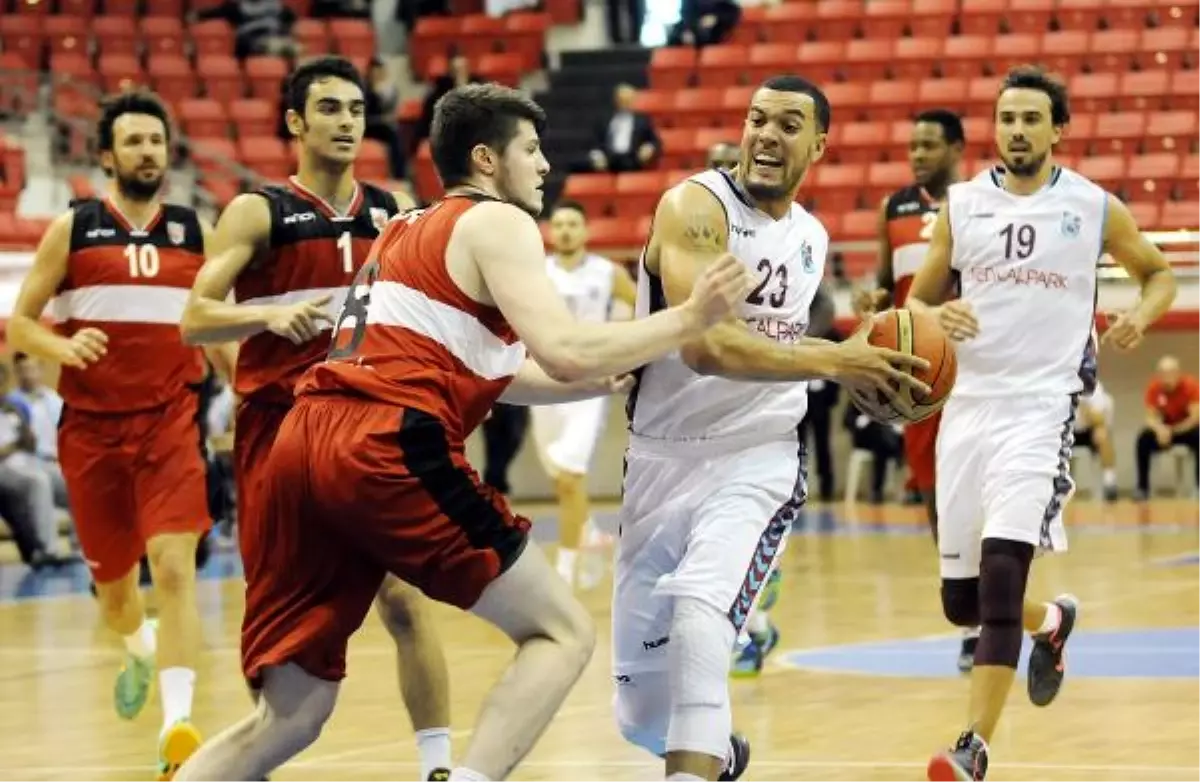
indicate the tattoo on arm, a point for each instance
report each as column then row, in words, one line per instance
column 701, row 235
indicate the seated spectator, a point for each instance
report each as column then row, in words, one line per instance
column 705, row 22
column 322, row 9
column 383, row 100
column 626, row 141
column 45, row 408
column 1093, row 430
column 259, row 26
column 724, row 155
column 458, row 74
column 1172, row 418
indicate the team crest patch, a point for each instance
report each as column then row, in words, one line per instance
column 176, row 232
column 379, row 217
column 806, row 258
column 1071, row 224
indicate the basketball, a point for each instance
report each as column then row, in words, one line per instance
column 916, row 334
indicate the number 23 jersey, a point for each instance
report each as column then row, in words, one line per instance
column 1028, row 269
column 786, row 258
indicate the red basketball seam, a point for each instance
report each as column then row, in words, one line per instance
column 941, row 364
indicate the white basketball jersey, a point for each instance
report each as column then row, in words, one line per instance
column 1028, row 269
column 587, row 289
column 787, row 258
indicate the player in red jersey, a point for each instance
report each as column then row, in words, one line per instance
column 288, row 254
column 906, row 220
column 119, row 269
column 369, row 475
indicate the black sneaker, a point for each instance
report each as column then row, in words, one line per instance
column 966, row 655
column 439, row 775
column 967, row 761
column 739, row 758
column 1047, row 660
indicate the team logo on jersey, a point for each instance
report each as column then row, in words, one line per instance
column 1071, row 223
column 806, row 258
column 176, row 233
column 379, row 217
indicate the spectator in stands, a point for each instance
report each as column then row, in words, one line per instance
column 45, row 407
column 1093, row 431
column 322, row 9
column 626, row 141
column 724, row 154
column 409, row 11
column 625, row 19
column 1172, row 418
column 457, row 74
column 383, row 100
column 259, row 26
column 28, row 495
column 705, row 22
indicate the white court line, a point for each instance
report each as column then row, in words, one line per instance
column 781, row 763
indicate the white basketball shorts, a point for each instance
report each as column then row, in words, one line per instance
column 566, row 433
column 708, row 525
column 1003, row 471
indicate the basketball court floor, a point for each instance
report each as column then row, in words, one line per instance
column 862, row 686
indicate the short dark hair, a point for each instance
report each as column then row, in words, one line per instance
column 789, row 82
column 476, row 114
column 138, row 101
column 1033, row 77
column 952, row 127
column 571, row 204
column 317, row 69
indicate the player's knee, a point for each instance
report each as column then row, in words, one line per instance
column 398, row 607
column 1100, row 436
column 578, row 634
column 568, row 484
column 642, row 708
column 701, row 637
column 960, row 601
column 1003, row 572
column 173, row 565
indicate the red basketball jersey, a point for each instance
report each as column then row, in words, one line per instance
column 911, row 213
column 313, row 251
column 131, row 284
column 410, row 337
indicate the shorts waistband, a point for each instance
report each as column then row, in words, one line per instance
column 706, row 446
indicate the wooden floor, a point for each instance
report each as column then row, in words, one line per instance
column 862, row 686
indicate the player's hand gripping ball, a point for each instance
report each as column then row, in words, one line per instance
column 915, row 334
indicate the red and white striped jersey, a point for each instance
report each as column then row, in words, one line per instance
column 313, row 251
column 131, row 284
column 911, row 213
column 409, row 336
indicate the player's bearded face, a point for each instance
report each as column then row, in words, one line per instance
column 139, row 156
column 567, row 232
column 522, row 170
column 781, row 139
column 1025, row 132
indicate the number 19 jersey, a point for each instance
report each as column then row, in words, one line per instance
column 1028, row 270
column 313, row 251
column 787, row 259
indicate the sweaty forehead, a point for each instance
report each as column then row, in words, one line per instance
column 140, row 124
column 778, row 102
column 1022, row 100
column 332, row 88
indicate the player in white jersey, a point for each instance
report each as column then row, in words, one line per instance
column 714, row 470
column 1024, row 241
column 566, row 433
column 1093, row 430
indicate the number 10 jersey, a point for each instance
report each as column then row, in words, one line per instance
column 1028, row 269
column 787, row 260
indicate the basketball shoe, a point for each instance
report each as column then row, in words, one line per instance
column 1047, row 659
column 134, row 683
column 966, row 653
column 968, row 760
column 177, row 743
column 738, row 758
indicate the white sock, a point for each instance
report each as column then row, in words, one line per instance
column 679, row 775
column 758, row 625
column 142, row 642
column 971, row 632
column 177, row 686
column 1110, row 477
column 566, row 563
column 433, row 748
column 1053, row 617
column 467, row 774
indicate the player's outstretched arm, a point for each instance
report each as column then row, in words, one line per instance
column 242, row 232
column 934, row 283
column 25, row 332
column 1123, row 240
column 505, row 246
column 532, row 386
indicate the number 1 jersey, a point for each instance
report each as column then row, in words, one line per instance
column 787, row 260
column 132, row 284
column 1028, row 269
column 313, row 251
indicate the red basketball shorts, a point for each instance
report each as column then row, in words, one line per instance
column 920, row 443
column 130, row 477
column 355, row 489
column 255, row 430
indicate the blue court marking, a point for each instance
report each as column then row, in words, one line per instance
column 1179, row 560
column 1154, row 653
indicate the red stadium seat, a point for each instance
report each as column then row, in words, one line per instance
column 352, row 36
column 171, row 76
column 859, row 224
column 867, row 59
column 965, row 55
column 119, row 72
column 672, row 67
column 212, row 37
column 116, row 35
column 887, row 19
column 836, row 187
column 637, row 193
column 821, row 59
column 1083, row 15
column 1170, row 130
column 1029, row 16
column 595, row 191
column 255, row 116
column 372, row 163
column 1180, row 215
column 723, row 66
column 313, row 36
column 162, row 35
column 204, row 118
column 933, row 17
column 266, row 156
column 265, row 76
column 65, row 34
column 914, row 58
column 768, row 59
column 504, row 68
